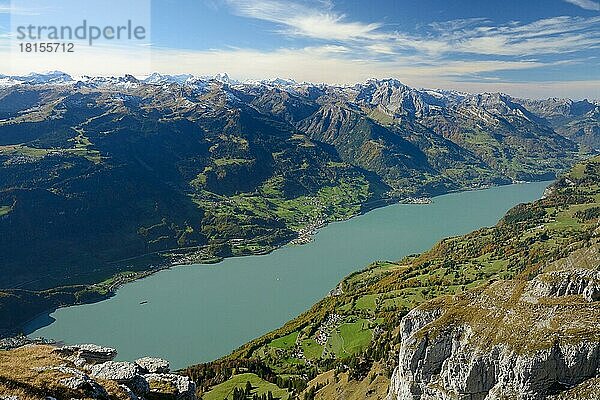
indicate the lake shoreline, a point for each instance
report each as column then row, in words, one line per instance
column 250, row 268
column 27, row 329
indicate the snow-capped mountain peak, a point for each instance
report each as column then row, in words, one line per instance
column 34, row 78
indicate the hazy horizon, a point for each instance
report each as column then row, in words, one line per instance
column 521, row 48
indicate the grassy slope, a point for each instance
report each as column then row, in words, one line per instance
column 527, row 238
column 260, row 387
column 339, row 385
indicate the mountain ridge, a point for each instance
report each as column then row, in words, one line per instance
column 120, row 169
column 60, row 77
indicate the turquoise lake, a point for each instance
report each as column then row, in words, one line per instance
column 198, row 313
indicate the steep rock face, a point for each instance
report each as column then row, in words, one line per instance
column 512, row 339
column 577, row 120
column 449, row 368
column 394, row 98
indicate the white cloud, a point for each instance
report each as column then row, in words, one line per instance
column 459, row 54
column 558, row 35
column 99, row 59
column 318, row 22
column 12, row 10
column 445, row 40
column 322, row 64
column 330, row 64
column 381, row 48
column 315, row 64
column 327, row 64
column 586, row 4
column 582, row 89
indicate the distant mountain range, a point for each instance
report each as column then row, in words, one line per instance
column 105, row 174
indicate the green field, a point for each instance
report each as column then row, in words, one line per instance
column 350, row 339
column 330, row 203
column 311, row 349
column 285, row 342
column 224, row 391
column 366, row 302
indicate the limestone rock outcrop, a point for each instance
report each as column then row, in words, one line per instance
column 180, row 387
column 519, row 339
column 153, row 365
column 89, row 372
column 119, row 371
column 91, row 353
column 78, row 380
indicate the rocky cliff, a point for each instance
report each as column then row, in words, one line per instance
column 87, row 372
column 518, row 339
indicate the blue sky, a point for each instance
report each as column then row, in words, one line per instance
column 536, row 47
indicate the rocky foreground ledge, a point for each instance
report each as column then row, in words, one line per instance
column 87, row 371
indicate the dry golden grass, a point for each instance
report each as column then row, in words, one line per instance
column 584, row 391
column 113, row 389
column 18, row 372
column 20, row 377
column 373, row 387
column 20, row 393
